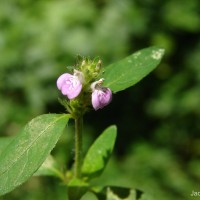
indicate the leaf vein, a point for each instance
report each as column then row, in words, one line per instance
column 29, row 146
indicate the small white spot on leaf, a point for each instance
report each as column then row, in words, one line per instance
column 137, row 54
column 157, row 54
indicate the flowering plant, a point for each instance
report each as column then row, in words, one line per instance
column 87, row 87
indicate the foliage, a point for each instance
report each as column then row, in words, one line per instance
column 99, row 153
column 38, row 38
column 29, row 149
column 26, row 152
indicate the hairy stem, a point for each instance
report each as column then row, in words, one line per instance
column 78, row 147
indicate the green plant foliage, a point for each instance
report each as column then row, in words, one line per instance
column 76, row 189
column 4, row 141
column 117, row 193
column 99, row 153
column 38, row 39
column 189, row 19
column 127, row 72
column 90, row 196
column 50, row 168
column 28, row 150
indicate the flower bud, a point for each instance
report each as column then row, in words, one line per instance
column 101, row 96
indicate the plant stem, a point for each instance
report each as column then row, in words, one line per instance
column 78, row 147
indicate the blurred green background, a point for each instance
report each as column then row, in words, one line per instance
column 158, row 144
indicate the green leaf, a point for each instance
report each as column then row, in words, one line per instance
column 76, row 189
column 99, row 153
column 127, row 72
column 89, row 196
column 119, row 193
column 50, row 168
column 29, row 149
column 4, row 141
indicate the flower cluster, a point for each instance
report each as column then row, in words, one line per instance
column 83, row 85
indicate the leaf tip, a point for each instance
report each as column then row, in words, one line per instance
column 158, row 54
column 113, row 128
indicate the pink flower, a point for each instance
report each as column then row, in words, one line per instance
column 101, row 96
column 70, row 85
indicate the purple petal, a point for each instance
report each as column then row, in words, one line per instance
column 65, row 89
column 71, row 87
column 101, row 98
column 74, row 93
column 95, row 100
column 61, row 80
column 105, row 97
